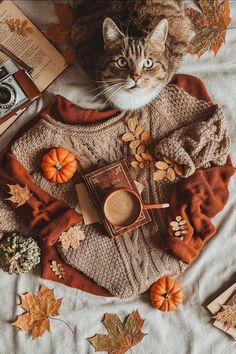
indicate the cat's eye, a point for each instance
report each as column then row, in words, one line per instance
column 122, row 63
column 148, row 64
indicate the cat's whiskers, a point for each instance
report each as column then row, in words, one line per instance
column 107, row 89
column 101, row 93
column 113, row 95
column 102, row 86
column 97, row 88
column 106, row 81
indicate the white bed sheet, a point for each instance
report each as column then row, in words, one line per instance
column 187, row 331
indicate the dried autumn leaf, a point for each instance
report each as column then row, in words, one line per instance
column 167, row 160
column 121, row 336
column 161, row 165
column 145, row 156
column 138, row 158
column 18, row 26
column 227, row 316
column 127, row 137
column 61, row 33
column 58, row 33
column 150, row 157
column 142, row 165
column 140, row 149
column 139, row 130
column 170, row 174
column 58, row 269
column 159, row 175
column 19, row 195
column 39, row 308
column 145, row 136
column 70, row 55
column 178, row 170
column 135, row 164
column 132, row 124
column 134, row 144
column 209, row 25
column 71, row 238
column 65, row 13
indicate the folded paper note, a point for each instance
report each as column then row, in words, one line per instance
column 86, row 205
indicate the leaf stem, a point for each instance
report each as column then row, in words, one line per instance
column 59, row 319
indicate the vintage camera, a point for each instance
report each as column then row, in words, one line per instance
column 17, row 90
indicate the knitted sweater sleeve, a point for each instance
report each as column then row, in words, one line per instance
column 200, row 144
column 194, row 202
column 43, row 214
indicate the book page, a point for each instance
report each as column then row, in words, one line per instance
column 34, row 49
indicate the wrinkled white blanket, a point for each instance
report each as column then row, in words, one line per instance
column 187, row 331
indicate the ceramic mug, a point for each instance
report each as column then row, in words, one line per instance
column 122, row 207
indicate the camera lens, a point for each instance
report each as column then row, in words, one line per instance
column 5, row 95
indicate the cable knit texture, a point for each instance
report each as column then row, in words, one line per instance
column 8, row 221
column 190, row 131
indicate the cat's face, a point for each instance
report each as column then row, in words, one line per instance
column 134, row 70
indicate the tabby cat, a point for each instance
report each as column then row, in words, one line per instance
column 130, row 49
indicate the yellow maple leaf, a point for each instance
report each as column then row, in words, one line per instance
column 39, row 307
column 19, row 195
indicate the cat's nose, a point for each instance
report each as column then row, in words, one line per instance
column 135, row 78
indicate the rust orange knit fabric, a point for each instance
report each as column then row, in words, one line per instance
column 197, row 200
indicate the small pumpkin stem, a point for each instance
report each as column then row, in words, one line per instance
column 166, row 295
column 58, row 166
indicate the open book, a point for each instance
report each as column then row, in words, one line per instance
column 34, row 49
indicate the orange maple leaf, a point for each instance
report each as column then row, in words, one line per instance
column 60, row 33
column 210, row 26
column 121, row 335
column 39, row 307
column 65, row 13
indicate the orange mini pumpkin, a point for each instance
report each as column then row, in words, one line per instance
column 59, row 165
column 166, row 294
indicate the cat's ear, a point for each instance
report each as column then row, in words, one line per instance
column 159, row 35
column 112, row 36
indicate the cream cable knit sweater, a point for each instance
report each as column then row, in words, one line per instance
column 187, row 130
